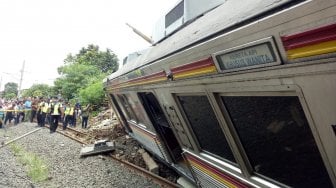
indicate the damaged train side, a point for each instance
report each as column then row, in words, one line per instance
column 240, row 96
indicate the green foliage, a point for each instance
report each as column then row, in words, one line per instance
column 92, row 94
column 75, row 77
column 10, row 95
column 38, row 93
column 94, row 113
column 11, row 90
column 105, row 61
column 82, row 74
column 37, row 168
column 38, row 90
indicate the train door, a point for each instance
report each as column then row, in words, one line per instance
column 160, row 124
column 121, row 115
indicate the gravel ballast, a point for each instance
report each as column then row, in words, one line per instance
column 66, row 168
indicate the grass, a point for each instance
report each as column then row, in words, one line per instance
column 37, row 169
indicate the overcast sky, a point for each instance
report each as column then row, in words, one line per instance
column 42, row 32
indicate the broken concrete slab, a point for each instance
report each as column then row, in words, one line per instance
column 99, row 147
column 150, row 163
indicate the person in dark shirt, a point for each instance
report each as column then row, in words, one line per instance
column 9, row 113
column 34, row 107
column 85, row 116
column 2, row 115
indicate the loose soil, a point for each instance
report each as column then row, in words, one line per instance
column 127, row 149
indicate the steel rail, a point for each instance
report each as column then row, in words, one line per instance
column 31, row 132
column 143, row 172
column 162, row 181
column 69, row 136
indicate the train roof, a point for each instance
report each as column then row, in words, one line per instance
column 224, row 18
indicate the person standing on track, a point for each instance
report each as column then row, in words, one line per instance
column 56, row 111
column 68, row 115
column 2, row 115
column 27, row 107
column 45, row 110
column 77, row 113
column 34, row 107
column 21, row 113
column 39, row 111
column 9, row 113
column 85, row 116
column 16, row 114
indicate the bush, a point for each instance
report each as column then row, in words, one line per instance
column 93, row 94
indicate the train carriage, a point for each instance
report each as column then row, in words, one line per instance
column 239, row 94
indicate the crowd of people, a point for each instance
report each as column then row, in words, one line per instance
column 43, row 110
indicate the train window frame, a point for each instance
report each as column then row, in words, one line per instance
column 268, row 91
column 141, row 116
column 271, row 47
column 116, row 104
column 124, row 111
column 130, row 115
column 149, row 125
column 199, row 149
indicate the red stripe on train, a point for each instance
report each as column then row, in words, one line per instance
column 193, row 66
column 314, row 36
column 216, row 171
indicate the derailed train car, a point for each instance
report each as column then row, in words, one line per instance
column 241, row 95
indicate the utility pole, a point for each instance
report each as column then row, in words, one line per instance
column 21, row 78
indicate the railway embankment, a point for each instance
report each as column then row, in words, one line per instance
column 60, row 156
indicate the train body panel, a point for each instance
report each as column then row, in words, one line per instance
column 242, row 103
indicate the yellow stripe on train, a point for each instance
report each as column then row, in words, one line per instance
column 316, row 49
column 200, row 71
column 215, row 176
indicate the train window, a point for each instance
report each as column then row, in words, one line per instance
column 121, row 111
column 174, row 14
column 126, row 106
column 205, row 126
column 277, row 139
column 137, row 109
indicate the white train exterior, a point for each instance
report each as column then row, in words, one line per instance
column 243, row 95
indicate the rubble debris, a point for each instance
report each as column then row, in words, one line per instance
column 106, row 126
column 100, row 146
column 185, row 183
column 150, row 163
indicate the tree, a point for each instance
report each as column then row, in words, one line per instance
column 106, row 61
column 82, row 74
column 93, row 94
column 38, row 90
column 75, row 77
column 81, row 77
column 11, row 90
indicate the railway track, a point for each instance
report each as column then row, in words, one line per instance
column 85, row 138
column 79, row 136
column 74, row 134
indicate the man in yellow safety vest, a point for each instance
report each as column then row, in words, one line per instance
column 45, row 110
column 56, row 112
column 68, row 115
